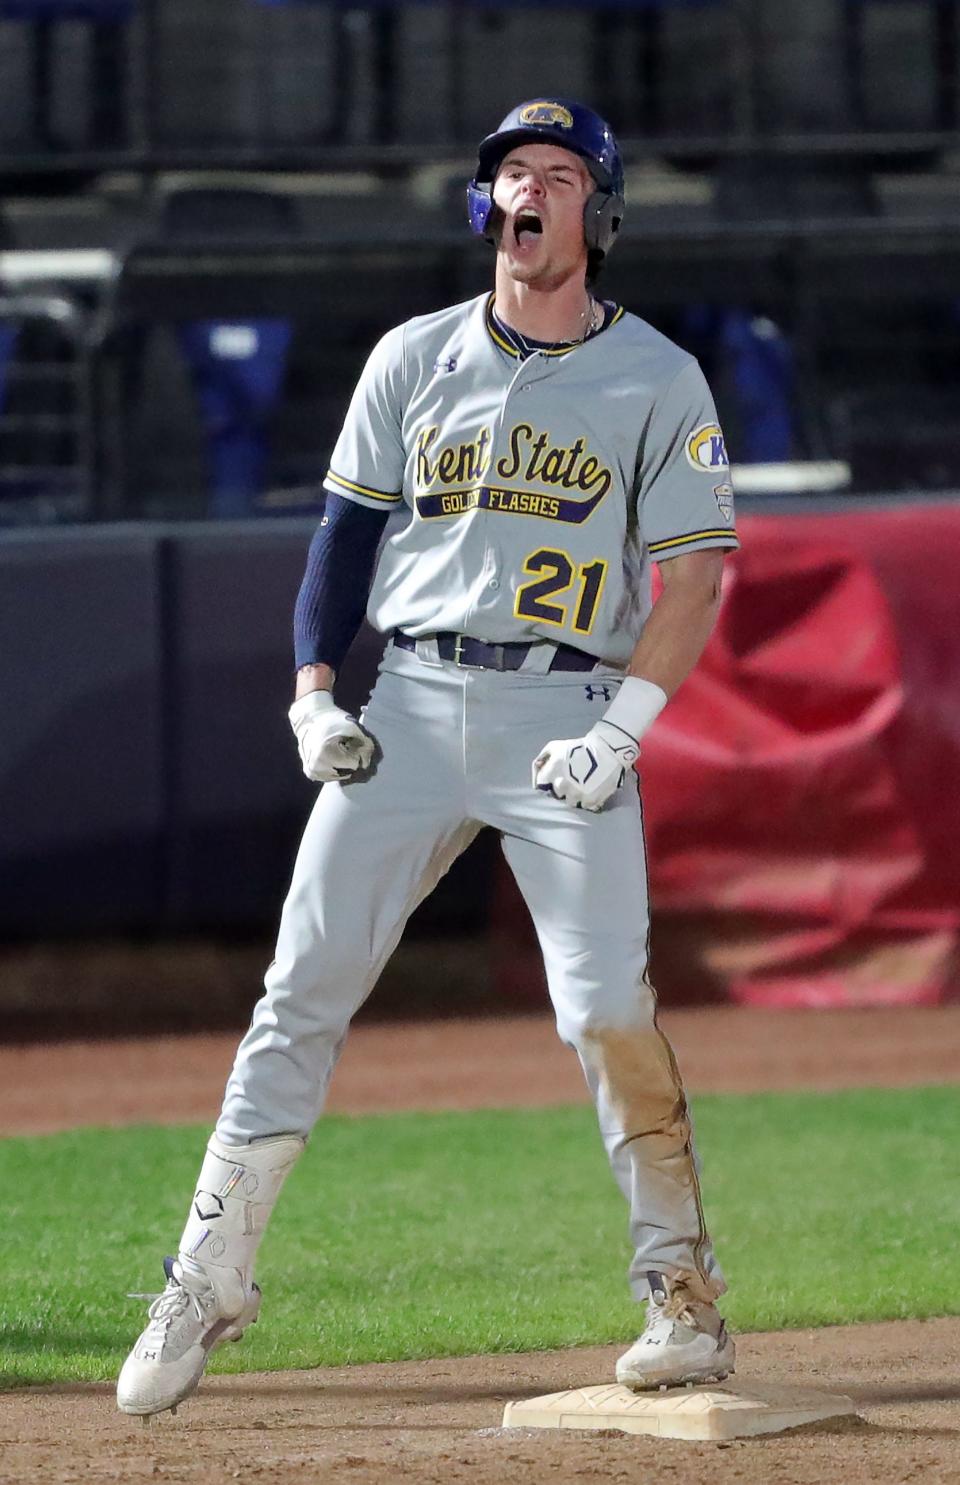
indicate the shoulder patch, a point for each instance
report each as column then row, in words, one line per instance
column 724, row 498
column 706, row 450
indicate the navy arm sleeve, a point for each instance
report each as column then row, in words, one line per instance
column 333, row 595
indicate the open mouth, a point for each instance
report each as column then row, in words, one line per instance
column 527, row 226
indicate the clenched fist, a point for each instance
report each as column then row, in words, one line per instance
column 585, row 771
column 332, row 744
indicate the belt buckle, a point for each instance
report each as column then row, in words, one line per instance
column 458, row 655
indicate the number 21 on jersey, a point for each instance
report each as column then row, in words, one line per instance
column 553, row 574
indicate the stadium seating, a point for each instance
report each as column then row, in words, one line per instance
column 46, row 430
column 238, row 365
column 67, row 64
column 884, row 94
column 8, row 345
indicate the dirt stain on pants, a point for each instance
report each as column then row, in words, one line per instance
column 647, row 1131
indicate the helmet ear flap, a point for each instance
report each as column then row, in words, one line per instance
column 602, row 216
column 484, row 214
column 479, row 207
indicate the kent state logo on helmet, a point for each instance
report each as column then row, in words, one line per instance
column 573, row 127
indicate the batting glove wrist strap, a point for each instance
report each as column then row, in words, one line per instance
column 637, row 704
column 314, row 704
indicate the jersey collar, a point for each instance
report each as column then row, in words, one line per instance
column 500, row 340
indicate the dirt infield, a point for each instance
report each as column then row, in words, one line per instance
column 476, row 1063
column 439, row 1421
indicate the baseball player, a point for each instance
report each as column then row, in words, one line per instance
column 542, row 448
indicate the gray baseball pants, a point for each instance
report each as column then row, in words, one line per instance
column 455, row 753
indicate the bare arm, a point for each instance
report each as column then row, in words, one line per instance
column 314, row 678
column 676, row 633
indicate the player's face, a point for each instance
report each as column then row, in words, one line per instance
column 541, row 191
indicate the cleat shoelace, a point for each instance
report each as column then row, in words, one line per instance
column 678, row 1307
column 172, row 1305
column 661, row 1319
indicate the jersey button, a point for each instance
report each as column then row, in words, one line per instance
column 494, row 583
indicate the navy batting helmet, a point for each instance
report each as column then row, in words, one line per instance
column 573, row 127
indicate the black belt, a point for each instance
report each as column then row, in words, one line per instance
column 481, row 655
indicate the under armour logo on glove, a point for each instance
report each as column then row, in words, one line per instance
column 586, row 771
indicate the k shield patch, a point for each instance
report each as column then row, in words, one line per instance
column 706, row 450
column 724, row 497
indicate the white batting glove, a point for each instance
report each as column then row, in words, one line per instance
column 586, row 771
column 332, row 744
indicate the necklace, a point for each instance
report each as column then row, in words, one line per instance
column 589, row 317
column 592, row 317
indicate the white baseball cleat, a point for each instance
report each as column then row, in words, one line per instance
column 186, row 1323
column 684, row 1340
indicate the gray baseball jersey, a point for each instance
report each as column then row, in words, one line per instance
column 538, row 490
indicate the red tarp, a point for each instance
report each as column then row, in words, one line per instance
column 802, row 790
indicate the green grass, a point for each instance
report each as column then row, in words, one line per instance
column 445, row 1234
